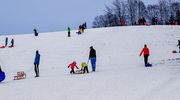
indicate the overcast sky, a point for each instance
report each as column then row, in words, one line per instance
column 22, row 16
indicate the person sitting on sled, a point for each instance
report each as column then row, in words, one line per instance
column 72, row 66
column 84, row 67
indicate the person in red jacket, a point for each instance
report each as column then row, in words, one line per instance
column 145, row 51
column 72, row 66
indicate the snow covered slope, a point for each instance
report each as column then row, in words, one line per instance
column 120, row 74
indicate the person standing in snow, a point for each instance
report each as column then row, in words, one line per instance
column 72, row 66
column 36, row 63
column 178, row 45
column 92, row 57
column 146, row 53
column 69, row 31
column 6, row 41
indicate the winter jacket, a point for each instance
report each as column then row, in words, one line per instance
column 37, row 58
column 84, row 65
column 2, row 76
column 73, row 65
column 69, row 30
column 145, row 51
column 92, row 53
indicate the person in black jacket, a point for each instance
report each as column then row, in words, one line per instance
column 92, row 57
column 35, row 32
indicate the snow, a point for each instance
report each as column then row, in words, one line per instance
column 120, row 74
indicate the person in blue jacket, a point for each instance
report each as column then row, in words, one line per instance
column 36, row 63
column 2, row 75
column 92, row 57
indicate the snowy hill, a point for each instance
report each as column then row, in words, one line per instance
column 120, row 75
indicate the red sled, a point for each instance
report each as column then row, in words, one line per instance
column 174, row 51
column 2, row 46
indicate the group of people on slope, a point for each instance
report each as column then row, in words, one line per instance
column 6, row 43
column 80, row 30
column 84, row 66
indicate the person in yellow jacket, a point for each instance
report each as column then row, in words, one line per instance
column 84, row 67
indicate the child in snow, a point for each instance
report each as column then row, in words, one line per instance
column 72, row 66
column 84, row 67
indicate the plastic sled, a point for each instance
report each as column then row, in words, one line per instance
column 148, row 65
column 2, row 76
column 174, row 51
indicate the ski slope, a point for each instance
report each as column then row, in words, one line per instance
column 120, row 74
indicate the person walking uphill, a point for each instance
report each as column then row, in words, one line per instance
column 92, row 57
column 36, row 63
column 145, row 51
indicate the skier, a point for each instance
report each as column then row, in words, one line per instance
column 92, row 57
column 2, row 75
column 6, row 41
column 178, row 45
column 36, row 63
column 84, row 67
column 73, row 65
column 69, row 32
column 35, row 32
column 145, row 51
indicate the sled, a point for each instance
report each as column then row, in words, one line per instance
column 2, row 46
column 79, row 72
column 148, row 65
column 20, row 75
column 174, row 51
column 10, row 46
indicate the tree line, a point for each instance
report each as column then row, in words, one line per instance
column 135, row 12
